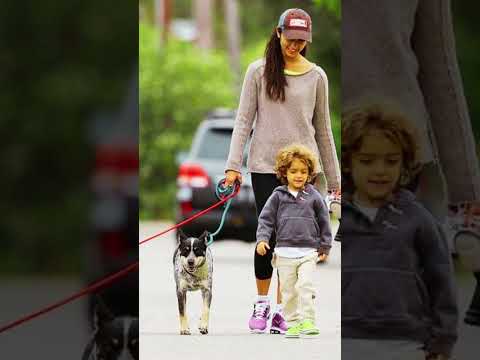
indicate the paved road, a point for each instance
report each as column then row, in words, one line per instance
column 61, row 334
column 233, row 294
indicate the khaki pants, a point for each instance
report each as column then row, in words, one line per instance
column 296, row 286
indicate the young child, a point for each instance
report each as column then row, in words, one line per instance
column 299, row 216
column 398, row 299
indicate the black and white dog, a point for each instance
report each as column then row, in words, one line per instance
column 114, row 338
column 193, row 269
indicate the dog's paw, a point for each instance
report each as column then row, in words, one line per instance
column 203, row 330
column 185, row 332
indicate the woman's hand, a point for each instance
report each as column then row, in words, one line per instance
column 262, row 247
column 231, row 176
column 334, row 203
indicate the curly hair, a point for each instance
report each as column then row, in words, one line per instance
column 286, row 156
column 361, row 120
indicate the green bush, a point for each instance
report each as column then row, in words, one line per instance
column 179, row 84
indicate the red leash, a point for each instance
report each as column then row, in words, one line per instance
column 224, row 200
column 95, row 286
column 110, row 278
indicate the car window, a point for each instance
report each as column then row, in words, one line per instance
column 215, row 144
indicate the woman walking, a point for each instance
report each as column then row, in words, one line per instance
column 287, row 97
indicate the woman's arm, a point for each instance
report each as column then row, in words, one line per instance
column 244, row 120
column 324, row 136
column 439, row 77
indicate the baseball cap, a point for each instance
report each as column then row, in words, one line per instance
column 296, row 24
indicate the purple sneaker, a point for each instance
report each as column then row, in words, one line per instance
column 258, row 321
column 279, row 326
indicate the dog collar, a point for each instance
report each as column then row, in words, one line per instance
column 199, row 266
column 191, row 273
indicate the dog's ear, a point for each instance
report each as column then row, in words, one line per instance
column 181, row 235
column 205, row 237
column 102, row 314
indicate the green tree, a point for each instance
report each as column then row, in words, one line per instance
column 178, row 85
column 332, row 5
column 61, row 63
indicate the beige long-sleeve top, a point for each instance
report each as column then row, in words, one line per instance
column 405, row 51
column 304, row 118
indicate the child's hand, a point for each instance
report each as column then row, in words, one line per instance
column 323, row 251
column 322, row 254
column 322, row 257
column 262, row 247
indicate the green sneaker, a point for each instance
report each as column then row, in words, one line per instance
column 294, row 331
column 308, row 329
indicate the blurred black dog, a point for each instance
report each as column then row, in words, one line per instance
column 114, row 338
column 193, row 269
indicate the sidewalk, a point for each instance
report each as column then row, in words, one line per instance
column 232, row 304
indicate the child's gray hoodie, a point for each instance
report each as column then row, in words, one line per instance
column 397, row 279
column 302, row 222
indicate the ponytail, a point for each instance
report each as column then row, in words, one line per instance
column 274, row 68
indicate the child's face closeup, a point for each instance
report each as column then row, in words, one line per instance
column 297, row 175
column 376, row 168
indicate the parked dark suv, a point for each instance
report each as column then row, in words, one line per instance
column 198, row 174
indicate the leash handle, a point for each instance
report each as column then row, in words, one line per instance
column 222, row 192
